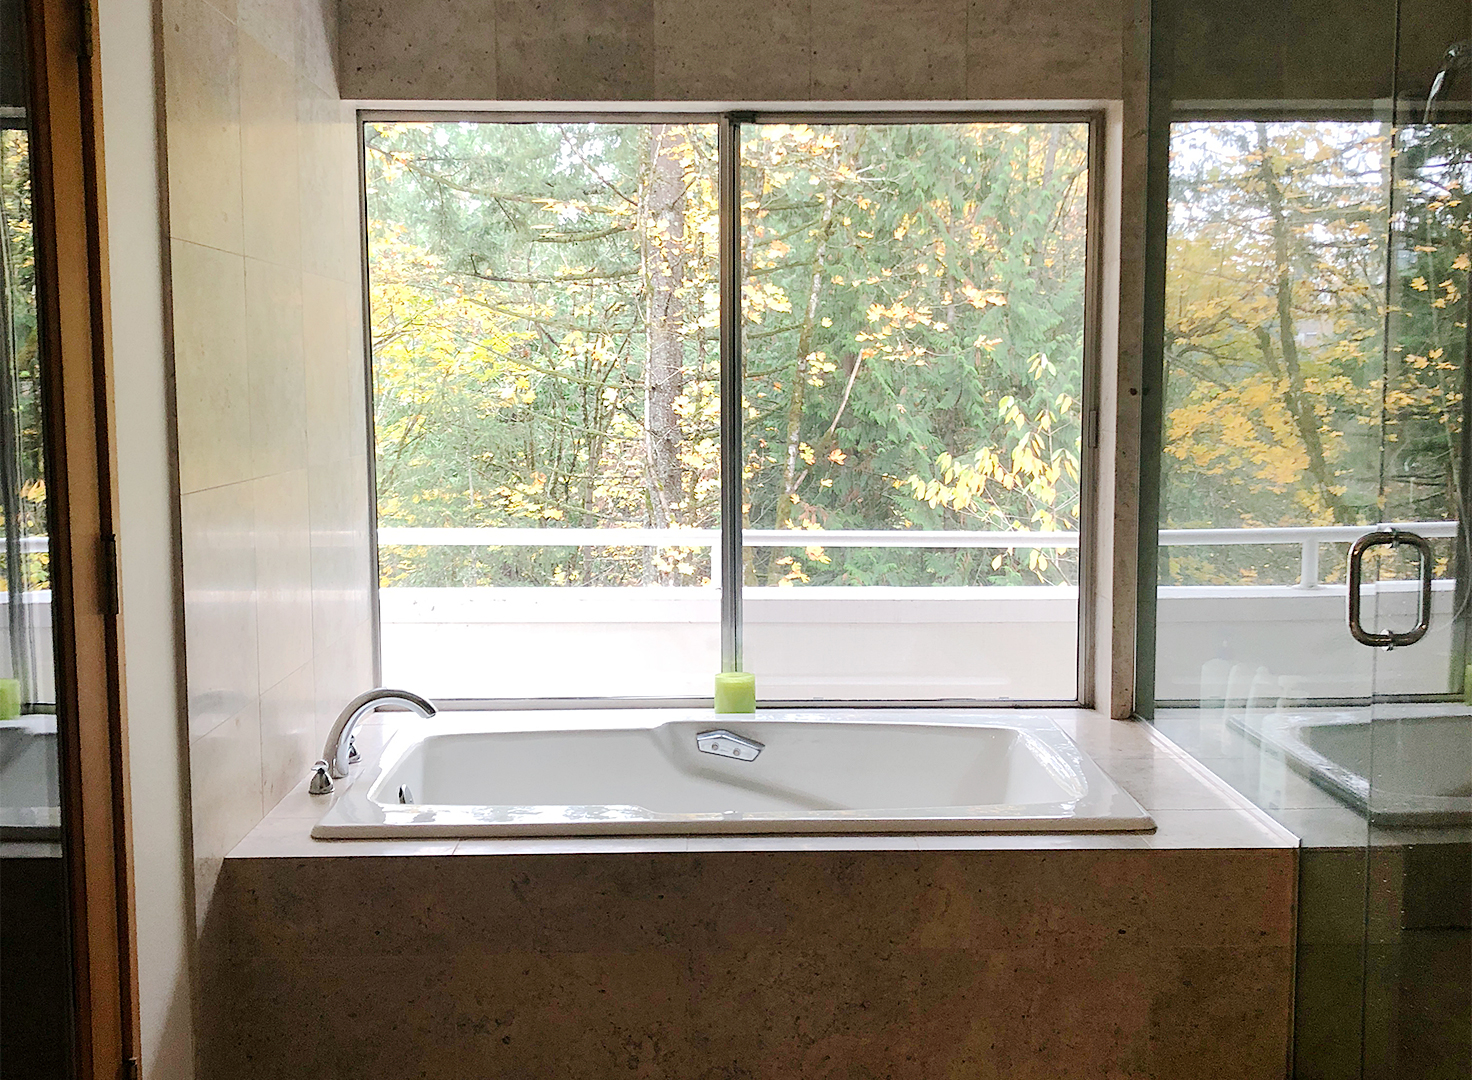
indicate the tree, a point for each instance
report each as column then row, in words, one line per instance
column 545, row 310
column 1281, row 387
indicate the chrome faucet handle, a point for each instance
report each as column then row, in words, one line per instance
column 353, row 756
column 321, row 782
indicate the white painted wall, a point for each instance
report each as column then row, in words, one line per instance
column 148, row 549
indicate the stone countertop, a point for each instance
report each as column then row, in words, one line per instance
column 1191, row 806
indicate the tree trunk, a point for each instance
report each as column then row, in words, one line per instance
column 1296, row 398
column 664, row 259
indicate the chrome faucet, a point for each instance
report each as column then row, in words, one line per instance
column 338, row 752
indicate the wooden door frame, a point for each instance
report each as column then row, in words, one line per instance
column 71, row 285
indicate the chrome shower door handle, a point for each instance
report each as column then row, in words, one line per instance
column 1390, row 538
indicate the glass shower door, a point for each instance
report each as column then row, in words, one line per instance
column 1314, row 391
column 1414, row 760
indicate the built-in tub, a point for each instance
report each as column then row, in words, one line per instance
column 1411, row 766
column 467, row 774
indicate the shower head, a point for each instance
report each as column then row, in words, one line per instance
column 1458, row 58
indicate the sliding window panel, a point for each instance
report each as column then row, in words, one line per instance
column 37, row 967
column 544, row 320
column 914, row 341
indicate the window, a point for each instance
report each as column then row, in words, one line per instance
column 548, row 308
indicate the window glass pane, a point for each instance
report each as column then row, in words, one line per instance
column 544, row 325
column 1275, row 364
column 913, row 333
column 26, row 555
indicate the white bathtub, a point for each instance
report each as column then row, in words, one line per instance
column 1411, row 766
column 466, row 774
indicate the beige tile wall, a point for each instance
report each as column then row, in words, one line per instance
column 269, row 381
column 737, row 50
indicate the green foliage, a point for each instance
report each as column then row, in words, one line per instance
column 1281, row 391
column 914, row 300
column 21, row 350
column 545, row 324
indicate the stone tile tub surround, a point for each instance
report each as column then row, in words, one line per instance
column 898, row 963
column 1166, row 955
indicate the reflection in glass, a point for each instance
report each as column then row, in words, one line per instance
column 35, row 965
column 1316, row 363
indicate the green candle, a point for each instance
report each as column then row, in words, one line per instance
column 9, row 699
column 735, row 692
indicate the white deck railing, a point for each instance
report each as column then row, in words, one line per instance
column 1308, row 538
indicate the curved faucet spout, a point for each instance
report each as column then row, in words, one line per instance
column 335, row 752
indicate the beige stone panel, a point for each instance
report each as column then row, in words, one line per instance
column 575, row 52
column 211, row 379
column 271, row 24
column 583, row 965
column 226, row 8
column 202, row 108
column 219, row 604
column 326, row 166
column 283, row 575
column 274, row 350
column 1043, row 49
column 272, row 209
column 342, row 569
column 706, row 50
column 425, row 49
column 981, row 900
column 571, row 1019
column 225, row 783
column 336, row 416
column 1164, row 783
column 342, row 671
column 317, row 41
column 889, row 50
column 289, row 740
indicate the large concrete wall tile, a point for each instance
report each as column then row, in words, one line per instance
column 1040, row 49
column 289, row 739
column 423, row 49
column 219, row 604
column 226, row 797
column 272, row 205
column 283, row 575
column 272, row 25
column 202, row 107
column 889, row 50
column 212, row 381
column 278, row 407
column 707, row 50
column 584, row 52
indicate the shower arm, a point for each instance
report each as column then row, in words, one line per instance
column 1458, row 58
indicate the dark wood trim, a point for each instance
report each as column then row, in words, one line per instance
column 72, row 297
